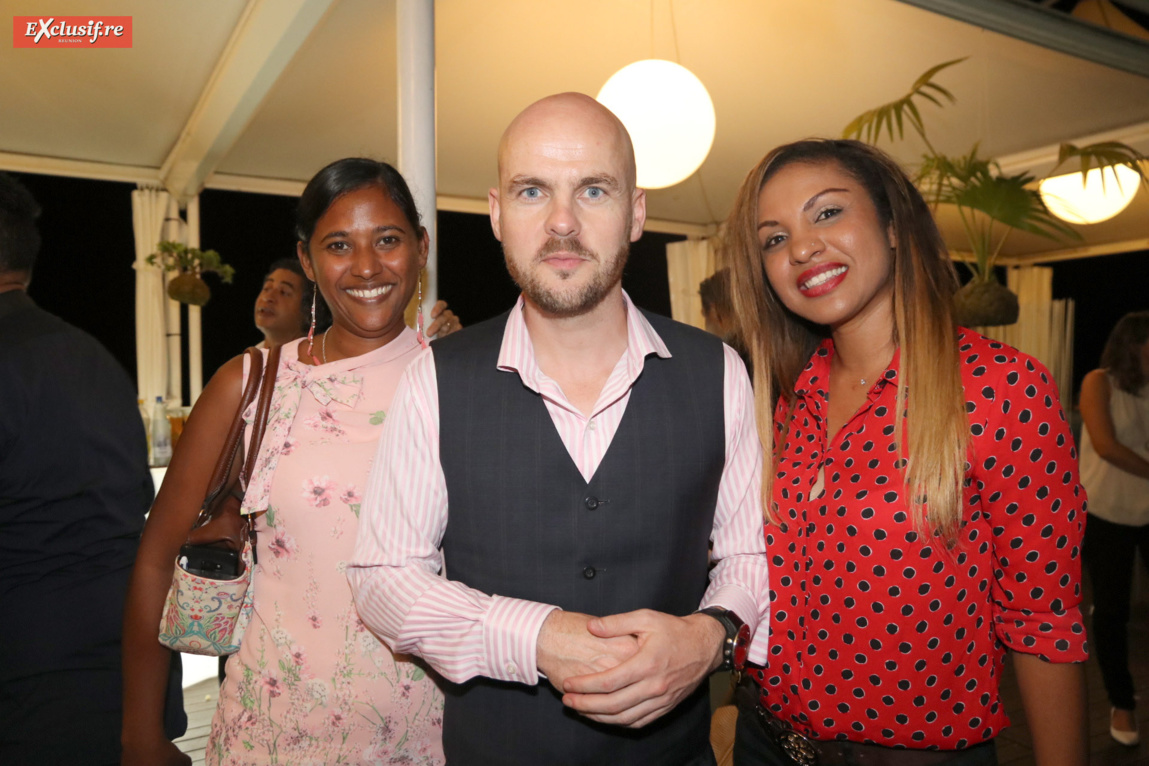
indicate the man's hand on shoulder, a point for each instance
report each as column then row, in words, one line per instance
column 566, row 648
column 675, row 654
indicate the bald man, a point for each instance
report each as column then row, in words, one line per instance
column 571, row 460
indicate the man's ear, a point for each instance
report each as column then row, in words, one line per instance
column 493, row 202
column 638, row 214
column 304, row 260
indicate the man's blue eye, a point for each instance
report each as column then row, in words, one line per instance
column 594, row 192
column 531, row 193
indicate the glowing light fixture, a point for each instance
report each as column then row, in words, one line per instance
column 1069, row 200
column 669, row 115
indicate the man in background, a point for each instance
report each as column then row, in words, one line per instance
column 74, row 489
column 283, row 308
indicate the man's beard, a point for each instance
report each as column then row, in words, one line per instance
column 573, row 302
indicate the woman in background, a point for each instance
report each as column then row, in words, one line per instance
column 309, row 684
column 924, row 512
column 1115, row 471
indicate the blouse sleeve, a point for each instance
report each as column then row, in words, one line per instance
column 1024, row 469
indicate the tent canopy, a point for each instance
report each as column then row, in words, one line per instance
column 258, row 95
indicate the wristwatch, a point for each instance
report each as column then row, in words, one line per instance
column 737, row 643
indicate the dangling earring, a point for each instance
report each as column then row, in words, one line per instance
column 419, row 313
column 311, row 330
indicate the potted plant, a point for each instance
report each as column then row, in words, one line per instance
column 989, row 203
column 191, row 263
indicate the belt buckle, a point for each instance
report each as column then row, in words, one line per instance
column 798, row 748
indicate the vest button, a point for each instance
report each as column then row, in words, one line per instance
column 589, row 573
column 591, row 502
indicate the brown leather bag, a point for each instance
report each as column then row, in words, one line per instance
column 220, row 524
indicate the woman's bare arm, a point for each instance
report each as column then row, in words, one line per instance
column 1095, row 393
column 1053, row 695
column 172, row 515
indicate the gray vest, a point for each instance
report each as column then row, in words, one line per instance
column 525, row 524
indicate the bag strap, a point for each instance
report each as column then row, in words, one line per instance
column 259, row 423
column 232, row 445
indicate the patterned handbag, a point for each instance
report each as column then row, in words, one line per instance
column 210, row 600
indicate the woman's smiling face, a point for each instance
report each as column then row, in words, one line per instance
column 365, row 257
column 826, row 253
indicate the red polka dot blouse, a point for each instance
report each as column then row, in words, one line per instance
column 879, row 635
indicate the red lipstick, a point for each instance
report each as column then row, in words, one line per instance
column 821, row 279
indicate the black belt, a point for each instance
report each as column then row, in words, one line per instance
column 804, row 751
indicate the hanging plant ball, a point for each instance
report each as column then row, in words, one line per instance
column 190, row 289
column 985, row 303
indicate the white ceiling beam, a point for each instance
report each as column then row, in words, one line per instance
column 58, row 166
column 268, row 35
column 1073, row 253
column 1048, row 28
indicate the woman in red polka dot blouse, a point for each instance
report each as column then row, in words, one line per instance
column 909, row 553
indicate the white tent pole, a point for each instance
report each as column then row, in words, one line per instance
column 149, row 208
column 415, row 30
column 172, row 308
column 195, row 329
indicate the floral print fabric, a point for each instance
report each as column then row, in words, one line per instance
column 310, row 684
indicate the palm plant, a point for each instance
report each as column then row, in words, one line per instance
column 191, row 263
column 990, row 203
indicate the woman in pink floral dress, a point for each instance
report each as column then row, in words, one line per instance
column 310, row 684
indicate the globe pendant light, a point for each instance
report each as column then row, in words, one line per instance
column 669, row 116
column 1069, row 200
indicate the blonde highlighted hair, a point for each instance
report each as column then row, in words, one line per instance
column 930, row 423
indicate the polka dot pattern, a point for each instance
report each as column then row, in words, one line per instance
column 879, row 634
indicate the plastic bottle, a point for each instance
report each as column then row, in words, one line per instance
column 143, row 407
column 161, row 434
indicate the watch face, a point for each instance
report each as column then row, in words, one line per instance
column 741, row 648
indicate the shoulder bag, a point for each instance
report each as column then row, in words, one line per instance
column 210, row 600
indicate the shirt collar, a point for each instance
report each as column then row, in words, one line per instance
column 517, row 354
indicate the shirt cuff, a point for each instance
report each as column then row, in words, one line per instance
column 1052, row 636
column 742, row 604
column 511, row 635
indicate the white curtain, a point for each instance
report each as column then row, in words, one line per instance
column 687, row 264
column 1044, row 327
column 149, row 208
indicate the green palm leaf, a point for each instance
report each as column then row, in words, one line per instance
column 1104, row 154
column 869, row 125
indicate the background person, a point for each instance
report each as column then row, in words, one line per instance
column 1115, row 471
column 910, row 552
column 283, row 307
column 718, row 311
column 573, row 458
column 309, row 684
column 74, row 488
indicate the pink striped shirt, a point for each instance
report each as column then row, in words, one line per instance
column 464, row 633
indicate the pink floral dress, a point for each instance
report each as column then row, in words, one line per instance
column 310, row 684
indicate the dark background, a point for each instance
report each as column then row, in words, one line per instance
column 84, row 273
